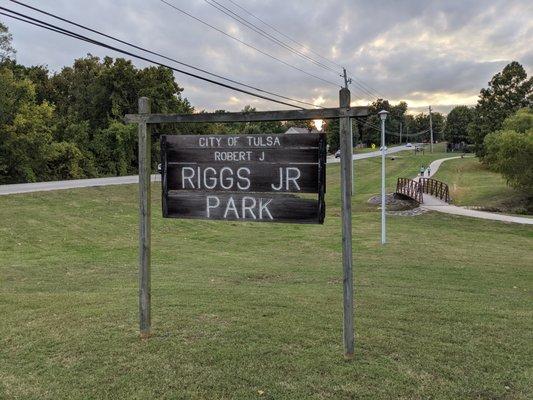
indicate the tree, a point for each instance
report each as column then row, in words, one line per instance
column 510, row 150
column 332, row 134
column 25, row 144
column 508, row 91
column 37, row 74
column 457, row 121
column 13, row 94
column 7, row 51
column 114, row 148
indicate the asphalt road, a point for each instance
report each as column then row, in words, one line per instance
column 124, row 180
column 377, row 153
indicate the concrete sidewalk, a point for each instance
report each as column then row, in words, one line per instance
column 72, row 184
column 126, row 180
column 434, row 204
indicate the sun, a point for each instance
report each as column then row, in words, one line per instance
column 318, row 124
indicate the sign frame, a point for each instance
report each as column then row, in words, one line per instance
column 343, row 113
column 306, row 144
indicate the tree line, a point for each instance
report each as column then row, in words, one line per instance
column 69, row 124
column 500, row 126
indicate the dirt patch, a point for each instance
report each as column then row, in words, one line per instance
column 394, row 202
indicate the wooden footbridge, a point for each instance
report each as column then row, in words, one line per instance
column 416, row 189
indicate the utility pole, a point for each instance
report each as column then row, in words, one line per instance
column 383, row 115
column 346, row 204
column 400, row 133
column 347, row 81
column 430, row 130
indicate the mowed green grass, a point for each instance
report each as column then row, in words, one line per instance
column 254, row 311
column 472, row 184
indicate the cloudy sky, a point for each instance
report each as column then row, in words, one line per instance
column 423, row 52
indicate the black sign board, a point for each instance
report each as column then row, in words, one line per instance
column 244, row 177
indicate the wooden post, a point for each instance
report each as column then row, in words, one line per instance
column 144, row 220
column 346, row 194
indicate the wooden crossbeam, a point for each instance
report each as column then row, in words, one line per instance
column 256, row 116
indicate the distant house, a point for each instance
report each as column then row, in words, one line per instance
column 297, row 129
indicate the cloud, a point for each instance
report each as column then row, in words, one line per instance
column 440, row 52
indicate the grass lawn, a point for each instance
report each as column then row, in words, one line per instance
column 471, row 184
column 254, row 311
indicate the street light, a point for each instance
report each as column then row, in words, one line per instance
column 383, row 115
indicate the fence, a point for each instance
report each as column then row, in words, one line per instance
column 435, row 188
column 410, row 188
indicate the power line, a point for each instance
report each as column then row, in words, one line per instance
column 262, row 32
column 284, row 35
column 364, row 87
column 160, row 55
column 368, row 123
column 223, row 9
column 373, row 92
column 66, row 32
column 247, row 44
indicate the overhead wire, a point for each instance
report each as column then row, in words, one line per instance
column 284, row 35
column 160, row 55
column 368, row 123
column 223, row 9
column 355, row 81
column 66, row 32
column 174, row 7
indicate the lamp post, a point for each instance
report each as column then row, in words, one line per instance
column 383, row 115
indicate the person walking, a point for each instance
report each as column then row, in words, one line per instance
column 422, row 169
column 429, row 171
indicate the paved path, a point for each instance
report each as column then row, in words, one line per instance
column 72, row 184
column 377, row 153
column 124, row 180
column 435, row 204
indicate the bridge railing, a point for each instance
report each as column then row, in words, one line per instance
column 435, row 188
column 410, row 188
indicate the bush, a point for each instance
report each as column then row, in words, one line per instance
column 510, row 151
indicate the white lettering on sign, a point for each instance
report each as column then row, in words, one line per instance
column 231, row 207
column 233, row 141
column 240, row 172
column 211, row 205
column 209, row 141
column 209, row 178
column 226, row 178
column 212, row 180
column 249, row 207
column 260, row 141
column 233, row 155
column 286, row 176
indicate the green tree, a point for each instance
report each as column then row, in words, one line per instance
column 28, row 150
column 510, row 150
column 7, row 51
column 508, row 91
column 457, row 121
column 331, row 128
column 39, row 75
column 25, row 144
column 332, row 134
column 115, row 149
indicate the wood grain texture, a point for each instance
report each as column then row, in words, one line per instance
column 251, row 207
column 243, row 155
column 257, row 116
column 144, row 222
column 258, row 177
column 259, row 141
column 346, row 200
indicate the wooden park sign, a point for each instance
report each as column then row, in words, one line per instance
column 245, row 177
column 263, row 178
